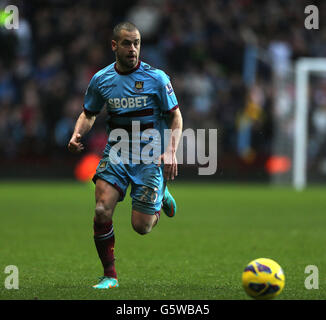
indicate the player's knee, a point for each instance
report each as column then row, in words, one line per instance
column 142, row 223
column 103, row 213
column 142, row 227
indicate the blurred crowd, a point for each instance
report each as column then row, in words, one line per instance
column 222, row 57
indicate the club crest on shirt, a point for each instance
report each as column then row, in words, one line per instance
column 139, row 85
column 102, row 165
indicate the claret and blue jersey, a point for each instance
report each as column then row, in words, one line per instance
column 144, row 94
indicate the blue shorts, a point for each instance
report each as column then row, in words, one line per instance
column 147, row 183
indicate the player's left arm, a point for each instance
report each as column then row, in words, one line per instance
column 169, row 105
column 169, row 156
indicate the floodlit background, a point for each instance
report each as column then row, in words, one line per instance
column 232, row 66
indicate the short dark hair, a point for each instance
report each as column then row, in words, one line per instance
column 128, row 26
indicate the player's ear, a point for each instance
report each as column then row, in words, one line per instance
column 114, row 45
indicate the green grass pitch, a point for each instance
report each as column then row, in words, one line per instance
column 46, row 231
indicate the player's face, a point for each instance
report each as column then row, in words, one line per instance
column 127, row 49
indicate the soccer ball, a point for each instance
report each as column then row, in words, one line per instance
column 263, row 279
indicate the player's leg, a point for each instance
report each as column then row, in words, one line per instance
column 106, row 196
column 147, row 190
column 146, row 214
column 111, row 185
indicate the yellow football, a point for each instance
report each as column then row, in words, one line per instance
column 263, row 279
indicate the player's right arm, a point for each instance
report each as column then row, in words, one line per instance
column 93, row 104
column 83, row 125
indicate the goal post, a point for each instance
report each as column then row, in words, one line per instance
column 303, row 68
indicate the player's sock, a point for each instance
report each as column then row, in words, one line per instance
column 104, row 242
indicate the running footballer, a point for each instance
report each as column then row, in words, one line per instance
column 132, row 91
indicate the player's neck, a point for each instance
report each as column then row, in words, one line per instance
column 125, row 70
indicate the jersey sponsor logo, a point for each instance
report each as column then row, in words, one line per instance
column 128, row 103
column 169, row 89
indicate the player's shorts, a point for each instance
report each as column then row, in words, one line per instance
column 147, row 183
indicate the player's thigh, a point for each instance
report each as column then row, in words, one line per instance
column 147, row 189
column 111, row 184
column 106, row 197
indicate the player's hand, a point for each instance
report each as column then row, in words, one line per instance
column 170, row 164
column 75, row 145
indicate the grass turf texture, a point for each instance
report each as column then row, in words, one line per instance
column 46, row 231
